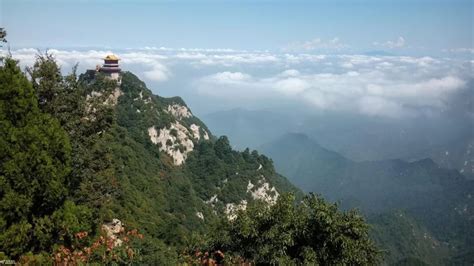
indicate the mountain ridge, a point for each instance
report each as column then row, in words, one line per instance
column 114, row 171
column 437, row 199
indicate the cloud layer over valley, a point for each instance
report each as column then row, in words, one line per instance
column 386, row 86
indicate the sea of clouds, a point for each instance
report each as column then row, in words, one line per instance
column 372, row 85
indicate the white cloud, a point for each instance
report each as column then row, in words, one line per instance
column 192, row 56
column 291, row 85
column 229, row 77
column 398, row 43
column 316, row 44
column 153, row 63
column 290, row 73
column 159, row 72
column 237, row 58
column 378, row 106
column 391, row 86
column 347, row 65
column 170, row 49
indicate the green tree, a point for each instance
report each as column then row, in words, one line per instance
column 34, row 161
column 310, row 232
column 47, row 81
column 3, row 34
column 87, row 121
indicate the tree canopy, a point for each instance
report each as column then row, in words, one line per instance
column 311, row 231
column 34, row 162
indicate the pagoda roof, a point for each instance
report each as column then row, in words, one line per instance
column 111, row 57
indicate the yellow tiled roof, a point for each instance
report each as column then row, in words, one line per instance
column 111, row 57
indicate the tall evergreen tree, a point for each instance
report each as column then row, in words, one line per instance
column 47, row 81
column 34, row 161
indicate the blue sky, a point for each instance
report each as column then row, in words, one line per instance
column 426, row 26
column 395, row 59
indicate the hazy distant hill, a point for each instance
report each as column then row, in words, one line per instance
column 356, row 137
column 457, row 154
column 440, row 199
column 250, row 128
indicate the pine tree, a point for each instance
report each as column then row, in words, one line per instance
column 34, row 161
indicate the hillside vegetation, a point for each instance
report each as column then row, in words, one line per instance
column 92, row 171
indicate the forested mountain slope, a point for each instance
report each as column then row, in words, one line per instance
column 132, row 156
column 96, row 171
column 193, row 175
column 440, row 200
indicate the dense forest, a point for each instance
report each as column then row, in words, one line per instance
column 86, row 177
column 418, row 210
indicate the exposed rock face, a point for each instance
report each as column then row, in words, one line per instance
column 212, row 200
column 140, row 96
column 93, row 94
column 147, row 100
column 195, row 130
column 249, row 186
column 175, row 141
column 231, row 209
column 200, row 215
column 263, row 191
column 206, row 136
column 260, row 191
column 179, row 111
column 112, row 99
column 112, row 230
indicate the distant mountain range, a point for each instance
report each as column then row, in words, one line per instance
column 457, row 154
column 440, row 201
column 448, row 142
column 251, row 128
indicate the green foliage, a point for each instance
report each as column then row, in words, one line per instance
column 72, row 218
column 16, row 239
column 163, row 199
column 72, row 160
column 36, row 176
column 411, row 262
column 404, row 239
column 18, row 98
column 42, row 258
column 216, row 169
column 47, row 81
column 310, row 232
column 3, row 35
column 34, row 162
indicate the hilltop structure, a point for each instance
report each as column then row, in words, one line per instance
column 111, row 68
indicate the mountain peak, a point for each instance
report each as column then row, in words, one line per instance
column 296, row 135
